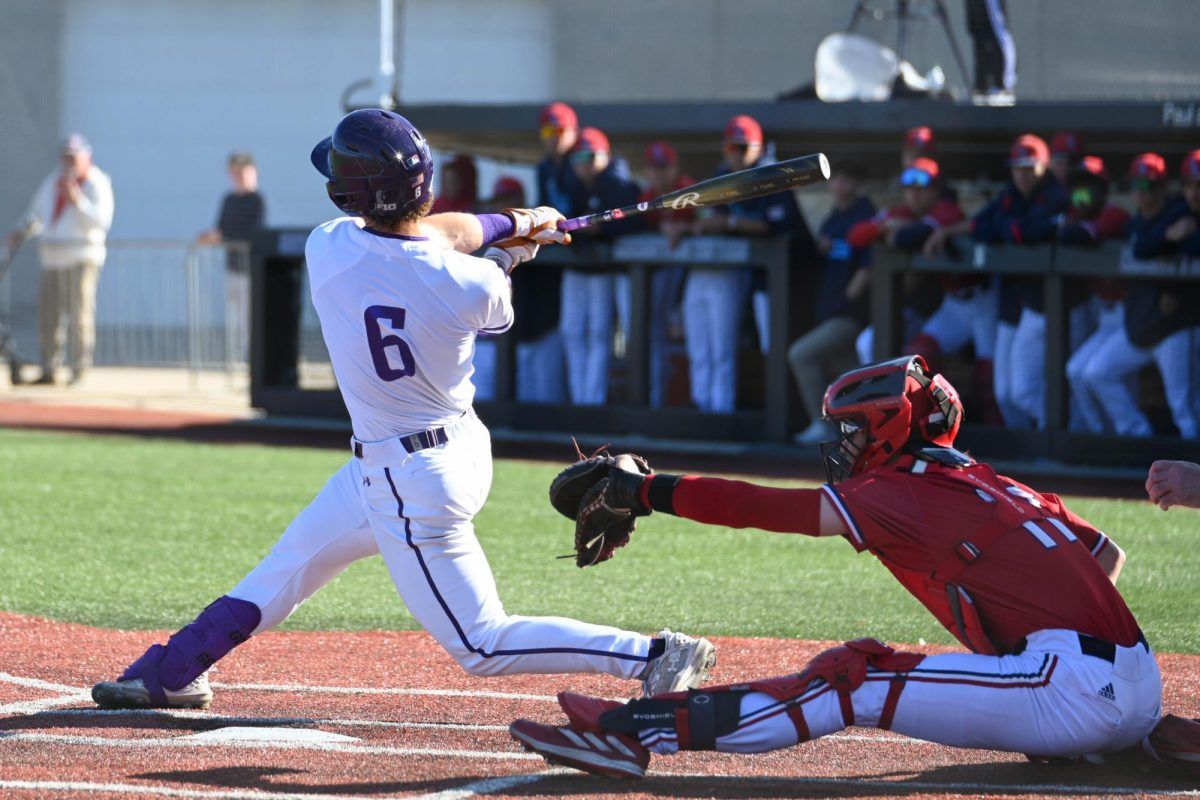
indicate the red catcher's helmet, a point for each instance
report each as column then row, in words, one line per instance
column 893, row 402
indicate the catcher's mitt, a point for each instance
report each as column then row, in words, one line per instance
column 580, row 492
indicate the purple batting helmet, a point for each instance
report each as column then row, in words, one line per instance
column 376, row 163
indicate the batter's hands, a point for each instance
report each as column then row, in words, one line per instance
column 538, row 224
column 511, row 252
column 1174, row 483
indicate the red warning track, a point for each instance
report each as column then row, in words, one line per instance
column 419, row 726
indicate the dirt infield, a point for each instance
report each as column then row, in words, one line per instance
column 396, row 717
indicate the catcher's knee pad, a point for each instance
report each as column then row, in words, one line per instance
column 222, row 626
column 844, row 669
column 698, row 717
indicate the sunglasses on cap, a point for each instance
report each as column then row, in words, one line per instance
column 551, row 131
column 915, row 177
column 583, row 157
column 737, row 147
column 1144, row 184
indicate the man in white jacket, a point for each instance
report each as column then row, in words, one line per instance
column 72, row 212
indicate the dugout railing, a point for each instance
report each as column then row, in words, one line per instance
column 1054, row 265
column 280, row 298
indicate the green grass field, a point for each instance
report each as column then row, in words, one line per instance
column 141, row 533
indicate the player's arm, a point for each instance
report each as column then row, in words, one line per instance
column 738, row 504
column 1111, row 559
column 467, row 233
column 1107, row 553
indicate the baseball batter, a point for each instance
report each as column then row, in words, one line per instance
column 400, row 306
column 1058, row 666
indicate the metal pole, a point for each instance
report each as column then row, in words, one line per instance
column 192, row 318
column 389, row 83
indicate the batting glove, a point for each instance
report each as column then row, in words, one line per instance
column 539, row 224
column 511, row 252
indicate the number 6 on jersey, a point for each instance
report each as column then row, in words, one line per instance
column 379, row 343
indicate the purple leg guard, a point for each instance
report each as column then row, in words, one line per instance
column 222, row 626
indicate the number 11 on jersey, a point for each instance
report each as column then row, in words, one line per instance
column 379, row 343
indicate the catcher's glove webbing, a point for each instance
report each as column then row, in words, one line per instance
column 585, row 493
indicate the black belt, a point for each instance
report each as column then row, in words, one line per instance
column 421, row 440
column 1091, row 646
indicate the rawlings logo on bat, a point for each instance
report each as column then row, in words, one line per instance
column 685, row 200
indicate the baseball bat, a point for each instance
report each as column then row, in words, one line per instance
column 744, row 185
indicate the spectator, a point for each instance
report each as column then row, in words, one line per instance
column 841, row 303
column 586, row 315
column 918, row 143
column 242, row 215
column 559, row 130
column 1162, row 319
column 1174, row 483
column 459, row 186
column 995, row 52
column 1066, row 150
column 713, row 299
column 663, row 176
column 1185, row 231
column 1024, row 213
column 72, row 211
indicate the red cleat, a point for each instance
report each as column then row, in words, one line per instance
column 611, row 755
column 584, row 712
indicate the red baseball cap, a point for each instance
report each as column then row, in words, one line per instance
column 1066, row 145
column 507, row 185
column 559, row 115
column 923, row 172
column 1189, row 168
column 920, row 139
column 1028, row 151
column 661, row 154
column 743, row 129
column 1149, row 166
column 591, row 140
column 1094, row 166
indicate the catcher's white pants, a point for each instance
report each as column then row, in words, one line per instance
column 586, row 322
column 1050, row 700
column 415, row 510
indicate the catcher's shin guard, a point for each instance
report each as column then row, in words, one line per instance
column 698, row 717
column 222, row 626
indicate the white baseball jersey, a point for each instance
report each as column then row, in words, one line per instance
column 400, row 315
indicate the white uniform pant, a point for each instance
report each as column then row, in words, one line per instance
column 416, row 510
column 586, row 322
column 966, row 318
column 1027, row 362
column 1112, row 364
column 1051, row 700
column 1087, row 414
column 540, row 369
column 712, row 318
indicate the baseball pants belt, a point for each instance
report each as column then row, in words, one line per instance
column 391, row 451
column 1091, row 646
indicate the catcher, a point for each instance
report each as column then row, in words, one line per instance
column 1057, row 664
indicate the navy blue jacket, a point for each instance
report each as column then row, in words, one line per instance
column 553, row 181
column 613, row 188
column 841, row 263
column 1145, row 322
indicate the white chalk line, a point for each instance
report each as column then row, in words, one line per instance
column 254, row 720
column 187, row 742
column 301, row 688
column 1000, row 788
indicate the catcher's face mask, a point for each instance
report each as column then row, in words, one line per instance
column 841, row 455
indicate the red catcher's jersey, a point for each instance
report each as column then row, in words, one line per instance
column 978, row 548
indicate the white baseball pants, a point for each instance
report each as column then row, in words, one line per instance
column 415, row 509
column 1115, row 360
column 1050, row 700
column 1087, row 414
column 712, row 318
column 960, row 320
column 540, row 370
column 586, row 322
column 1027, row 365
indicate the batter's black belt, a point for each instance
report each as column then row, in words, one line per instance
column 413, row 442
column 1091, row 646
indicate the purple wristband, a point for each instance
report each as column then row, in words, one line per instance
column 496, row 227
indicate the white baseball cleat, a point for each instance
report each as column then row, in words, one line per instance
column 685, row 664
column 612, row 755
column 133, row 694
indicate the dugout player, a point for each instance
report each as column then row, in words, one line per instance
column 400, row 304
column 840, row 311
column 1058, row 665
column 1022, row 214
column 602, row 181
column 1161, row 319
column 1066, row 151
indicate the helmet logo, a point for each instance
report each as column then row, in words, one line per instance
column 380, row 205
